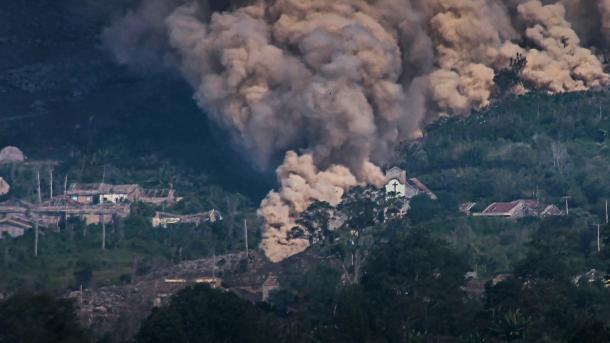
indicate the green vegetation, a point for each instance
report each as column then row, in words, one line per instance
column 202, row 314
column 29, row 318
column 378, row 278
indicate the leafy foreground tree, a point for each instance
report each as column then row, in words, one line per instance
column 203, row 314
column 349, row 232
column 414, row 284
column 29, row 318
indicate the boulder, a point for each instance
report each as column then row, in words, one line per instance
column 11, row 154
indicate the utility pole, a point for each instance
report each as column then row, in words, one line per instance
column 598, row 237
column 51, row 183
column 246, row 236
column 66, row 184
column 606, row 211
column 39, row 192
column 567, row 207
column 36, row 238
column 214, row 264
column 36, row 215
column 103, row 230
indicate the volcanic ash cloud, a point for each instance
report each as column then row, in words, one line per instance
column 333, row 86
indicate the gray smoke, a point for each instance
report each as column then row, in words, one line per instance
column 335, row 85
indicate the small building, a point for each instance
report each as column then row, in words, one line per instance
column 65, row 206
column 519, row 209
column 14, row 226
column 397, row 184
column 85, row 193
column 551, row 211
column 97, row 193
column 159, row 196
column 164, row 219
column 120, row 193
column 396, row 181
column 466, row 208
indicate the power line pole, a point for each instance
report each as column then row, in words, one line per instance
column 65, row 184
column 103, row 230
column 567, row 207
column 598, row 237
column 51, row 183
column 39, row 192
column 606, row 211
column 36, row 238
column 246, row 236
column 36, row 215
column 214, row 264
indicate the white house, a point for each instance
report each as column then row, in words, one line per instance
column 397, row 184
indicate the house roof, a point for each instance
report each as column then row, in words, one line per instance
column 99, row 188
column 500, row 207
column 122, row 189
column 17, row 221
column 156, row 192
column 414, row 182
column 396, row 173
column 61, row 201
column 551, row 210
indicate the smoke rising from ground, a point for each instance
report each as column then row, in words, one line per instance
column 335, row 85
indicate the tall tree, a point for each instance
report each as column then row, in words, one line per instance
column 30, row 318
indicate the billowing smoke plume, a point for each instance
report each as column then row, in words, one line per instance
column 335, row 85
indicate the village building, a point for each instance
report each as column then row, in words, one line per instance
column 163, row 219
column 97, row 193
column 90, row 213
column 159, row 196
column 519, row 209
column 14, row 226
column 466, row 208
column 397, row 184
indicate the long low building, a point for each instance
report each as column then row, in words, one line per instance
column 163, row 219
column 99, row 193
column 519, row 209
column 51, row 212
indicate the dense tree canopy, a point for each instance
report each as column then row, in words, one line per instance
column 29, row 318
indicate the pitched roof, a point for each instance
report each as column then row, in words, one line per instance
column 156, row 192
column 396, row 173
column 99, row 188
column 17, row 221
column 85, row 188
column 414, row 182
column 500, row 207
